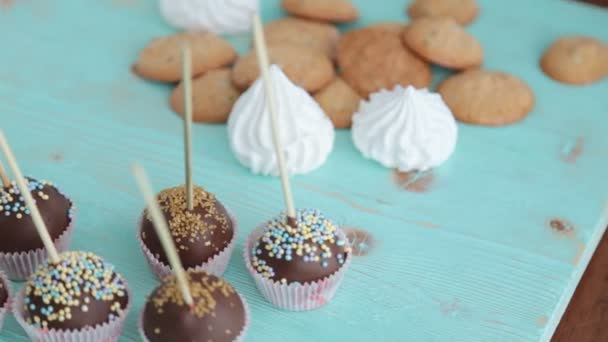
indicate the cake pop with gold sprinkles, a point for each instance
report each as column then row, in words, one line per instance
column 199, row 234
column 217, row 314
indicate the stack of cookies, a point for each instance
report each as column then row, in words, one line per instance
column 341, row 70
column 303, row 45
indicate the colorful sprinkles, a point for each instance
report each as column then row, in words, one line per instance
column 13, row 203
column 310, row 240
column 203, row 290
column 74, row 282
column 189, row 226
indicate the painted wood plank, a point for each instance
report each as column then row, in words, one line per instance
column 471, row 251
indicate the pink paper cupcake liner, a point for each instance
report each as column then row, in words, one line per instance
column 19, row 266
column 295, row 296
column 107, row 332
column 7, row 305
column 216, row 265
column 240, row 338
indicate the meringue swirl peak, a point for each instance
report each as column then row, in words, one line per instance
column 405, row 128
column 306, row 133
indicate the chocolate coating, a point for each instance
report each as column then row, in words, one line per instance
column 308, row 251
column 218, row 314
column 80, row 291
column 16, row 225
column 198, row 234
column 3, row 293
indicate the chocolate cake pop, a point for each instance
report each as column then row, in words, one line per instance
column 217, row 314
column 16, row 225
column 308, row 251
column 199, row 234
column 79, row 291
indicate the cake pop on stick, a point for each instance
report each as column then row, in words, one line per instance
column 192, row 306
column 29, row 201
column 187, row 79
column 73, row 296
column 22, row 247
column 297, row 259
column 200, row 226
column 162, row 229
column 262, row 52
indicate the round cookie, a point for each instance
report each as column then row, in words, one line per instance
column 309, row 69
column 161, row 59
column 213, row 95
column 389, row 26
column 339, row 11
column 490, row 98
column 372, row 59
column 339, row 101
column 576, row 60
column 305, row 33
column 443, row 41
column 463, row 11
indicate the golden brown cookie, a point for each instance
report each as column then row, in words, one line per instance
column 305, row 33
column 463, row 11
column 489, row 98
column 161, row 59
column 338, row 11
column 374, row 58
column 339, row 101
column 307, row 68
column 576, row 60
column 389, row 26
column 443, row 41
column 213, row 96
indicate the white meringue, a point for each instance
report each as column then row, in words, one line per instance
column 307, row 135
column 217, row 16
column 405, row 128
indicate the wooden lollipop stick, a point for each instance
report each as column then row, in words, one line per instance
column 262, row 53
column 5, row 180
column 187, row 80
column 29, row 200
column 162, row 230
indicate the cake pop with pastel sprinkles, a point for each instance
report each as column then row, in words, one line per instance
column 79, row 291
column 308, row 251
column 297, row 259
column 20, row 246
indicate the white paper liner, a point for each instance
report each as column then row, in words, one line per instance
column 240, row 338
column 107, row 332
column 295, row 296
column 7, row 305
column 19, row 266
column 216, row 265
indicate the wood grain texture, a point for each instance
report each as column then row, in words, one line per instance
column 491, row 250
column 587, row 317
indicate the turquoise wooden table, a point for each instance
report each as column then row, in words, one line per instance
column 489, row 247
